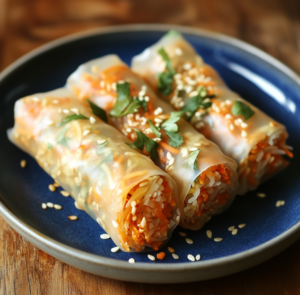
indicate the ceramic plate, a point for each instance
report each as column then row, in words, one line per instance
column 256, row 76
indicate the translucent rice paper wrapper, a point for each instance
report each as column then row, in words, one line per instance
column 183, row 174
column 235, row 138
column 89, row 159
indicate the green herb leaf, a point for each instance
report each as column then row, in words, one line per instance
column 241, row 109
column 165, row 80
column 175, row 139
column 123, row 99
column 170, row 124
column 108, row 159
column 97, row 111
column 194, row 103
column 131, row 145
column 151, row 145
column 154, row 129
column 172, row 33
column 73, row 117
column 100, row 147
column 125, row 104
column 192, row 159
column 61, row 139
column 50, row 146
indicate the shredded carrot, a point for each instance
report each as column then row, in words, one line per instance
column 169, row 148
column 115, row 157
column 289, row 153
column 161, row 255
column 121, row 159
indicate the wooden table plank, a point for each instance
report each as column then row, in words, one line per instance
column 272, row 25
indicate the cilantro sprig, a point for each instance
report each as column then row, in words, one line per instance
column 165, row 79
column 125, row 104
column 192, row 159
column 196, row 102
column 241, row 109
column 97, row 111
column 73, row 117
column 154, row 129
column 150, row 145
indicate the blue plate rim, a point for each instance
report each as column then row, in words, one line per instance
column 242, row 260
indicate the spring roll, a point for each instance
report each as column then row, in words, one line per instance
column 132, row 199
column 242, row 131
column 206, row 179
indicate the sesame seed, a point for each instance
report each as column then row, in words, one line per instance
column 49, row 123
column 209, row 234
column 192, row 149
column 191, row 257
column 189, row 241
column 197, row 144
column 244, row 125
column 52, row 188
column 50, row 205
column 171, row 162
column 178, row 51
column 234, row 232
column 171, row 250
column 143, row 222
column 157, row 120
column 242, row 225
column 100, row 141
column 151, row 257
column 23, row 163
column 131, row 260
column 65, row 194
column 73, row 217
column 133, row 203
column 182, row 234
column 65, row 111
column 218, row 239
column 228, row 117
column 231, row 127
column 86, row 132
column 271, row 123
column 57, row 207
column 198, row 257
column 115, row 224
column 55, row 101
column 44, row 206
column 94, row 69
column 187, row 66
column 102, row 84
column 115, row 249
column 175, row 256
column 74, row 110
column 280, row 203
column 92, row 120
column 104, row 236
column 169, row 156
column 144, row 183
column 158, row 111
column 244, row 134
column 261, row 195
column 231, row 228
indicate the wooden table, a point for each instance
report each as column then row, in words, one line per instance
column 272, row 25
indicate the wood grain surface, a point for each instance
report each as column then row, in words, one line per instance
column 272, row 25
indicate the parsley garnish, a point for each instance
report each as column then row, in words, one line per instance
column 151, row 145
column 108, row 159
column 165, row 79
column 125, row 104
column 97, row 111
column 73, row 117
column 170, row 124
column 195, row 103
column 192, row 159
column 100, row 146
column 131, row 145
column 175, row 139
column 239, row 108
column 154, row 129
column 61, row 139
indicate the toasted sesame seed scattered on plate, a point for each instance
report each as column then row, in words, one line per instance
column 280, row 203
column 115, row 249
column 209, row 233
column 65, row 194
column 191, row 257
column 171, row 250
column 104, row 236
column 218, row 239
column 51, row 187
column 261, row 195
column 189, row 241
column 242, row 225
column 56, row 184
column 234, row 232
column 50, row 205
column 57, row 207
column 131, row 260
column 73, row 217
column 231, row 228
column 23, row 163
column 151, row 257
column 198, row 257
column 44, row 206
column 175, row 256
column 182, row 234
